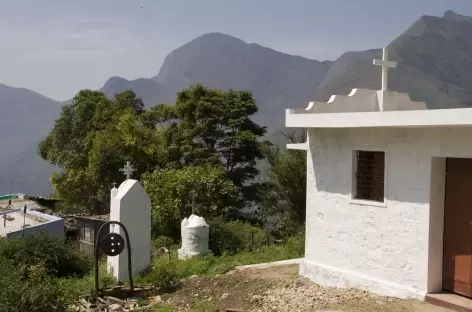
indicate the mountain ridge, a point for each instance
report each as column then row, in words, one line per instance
column 434, row 58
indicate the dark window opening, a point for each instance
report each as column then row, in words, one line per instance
column 370, row 175
column 87, row 234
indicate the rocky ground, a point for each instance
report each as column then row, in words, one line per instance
column 277, row 289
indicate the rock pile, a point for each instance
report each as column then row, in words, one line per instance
column 112, row 304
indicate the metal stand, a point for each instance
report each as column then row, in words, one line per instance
column 110, row 249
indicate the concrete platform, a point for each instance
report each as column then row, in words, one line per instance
column 450, row 301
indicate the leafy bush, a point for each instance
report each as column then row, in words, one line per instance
column 163, row 276
column 38, row 292
column 163, row 241
column 59, row 257
column 173, row 190
column 235, row 236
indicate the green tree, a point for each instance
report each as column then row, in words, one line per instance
column 94, row 136
column 176, row 193
column 91, row 139
column 284, row 193
column 214, row 127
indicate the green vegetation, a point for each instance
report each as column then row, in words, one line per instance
column 198, row 156
column 34, row 273
column 284, row 193
column 172, row 192
column 56, row 256
column 166, row 273
column 39, row 292
column 232, row 237
column 94, row 136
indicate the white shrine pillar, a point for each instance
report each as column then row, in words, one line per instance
column 130, row 205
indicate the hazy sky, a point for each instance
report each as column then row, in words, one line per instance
column 57, row 47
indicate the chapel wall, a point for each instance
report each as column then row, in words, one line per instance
column 388, row 244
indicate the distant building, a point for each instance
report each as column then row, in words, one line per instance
column 87, row 231
column 14, row 223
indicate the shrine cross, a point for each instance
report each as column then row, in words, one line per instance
column 385, row 63
column 128, row 170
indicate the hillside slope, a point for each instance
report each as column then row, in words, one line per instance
column 26, row 117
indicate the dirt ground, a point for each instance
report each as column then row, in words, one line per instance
column 278, row 289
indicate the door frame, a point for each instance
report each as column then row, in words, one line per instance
column 436, row 224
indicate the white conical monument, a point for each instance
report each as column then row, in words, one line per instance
column 195, row 237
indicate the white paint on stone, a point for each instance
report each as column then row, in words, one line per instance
column 394, row 249
column 195, row 237
column 131, row 206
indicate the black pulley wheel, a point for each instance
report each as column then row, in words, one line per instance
column 112, row 244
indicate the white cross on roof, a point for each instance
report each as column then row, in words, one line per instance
column 128, row 170
column 385, row 63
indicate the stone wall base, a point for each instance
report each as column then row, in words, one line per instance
column 335, row 277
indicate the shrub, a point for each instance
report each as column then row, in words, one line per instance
column 163, row 241
column 235, row 236
column 38, row 292
column 163, row 276
column 172, row 190
column 59, row 257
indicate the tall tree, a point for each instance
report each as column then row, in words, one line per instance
column 284, row 193
column 91, row 139
column 216, row 128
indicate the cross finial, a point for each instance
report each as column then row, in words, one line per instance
column 114, row 184
column 128, row 170
column 385, row 63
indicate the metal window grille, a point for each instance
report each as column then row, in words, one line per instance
column 370, row 175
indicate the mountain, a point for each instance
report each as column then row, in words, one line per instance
column 277, row 80
column 434, row 58
column 147, row 89
column 25, row 118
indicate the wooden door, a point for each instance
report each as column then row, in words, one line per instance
column 457, row 259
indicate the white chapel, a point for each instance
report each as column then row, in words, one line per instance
column 389, row 193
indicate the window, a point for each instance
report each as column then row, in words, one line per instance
column 370, row 175
column 87, row 234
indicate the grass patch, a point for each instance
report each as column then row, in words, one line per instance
column 86, row 284
column 166, row 308
column 204, row 306
column 166, row 273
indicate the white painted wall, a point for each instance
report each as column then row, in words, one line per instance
column 131, row 206
column 394, row 249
